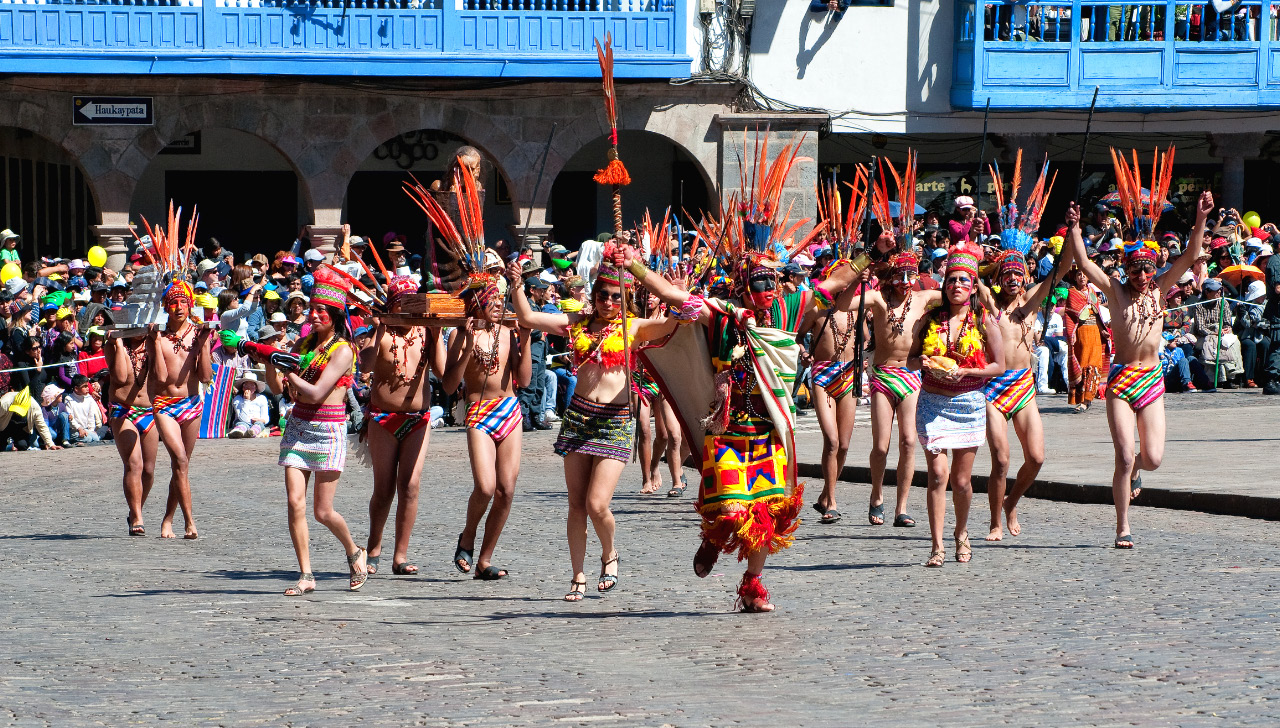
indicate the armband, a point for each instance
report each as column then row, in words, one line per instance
column 638, row 269
column 689, row 310
column 822, row 298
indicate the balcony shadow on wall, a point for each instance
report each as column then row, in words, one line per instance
column 929, row 79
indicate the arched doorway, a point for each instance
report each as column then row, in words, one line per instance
column 247, row 192
column 44, row 197
column 376, row 203
column 663, row 175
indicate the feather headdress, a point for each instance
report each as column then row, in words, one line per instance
column 464, row 241
column 1017, row 230
column 845, row 235
column 906, row 184
column 1142, row 208
column 170, row 250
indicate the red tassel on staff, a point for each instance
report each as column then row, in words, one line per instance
column 613, row 174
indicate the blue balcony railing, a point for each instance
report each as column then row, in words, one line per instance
column 475, row 38
column 1151, row 55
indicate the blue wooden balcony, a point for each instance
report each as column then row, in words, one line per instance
column 1154, row 55
column 461, row 38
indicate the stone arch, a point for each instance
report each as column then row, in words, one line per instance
column 57, row 201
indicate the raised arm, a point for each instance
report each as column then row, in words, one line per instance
column 1037, row 293
column 1091, row 270
column 457, row 357
column 118, row 365
column 556, row 324
column 995, row 349
column 666, row 291
column 843, row 276
column 1183, row 262
column 159, row 368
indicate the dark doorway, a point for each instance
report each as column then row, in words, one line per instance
column 573, row 209
column 248, row 212
column 377, row 204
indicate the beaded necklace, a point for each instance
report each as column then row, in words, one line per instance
column 179, row 338
column 315, row 360
column 841, row 338
column 401, row 344
column 137, row 359
column 488, row 359
column 898, row 321
column 1149, row 309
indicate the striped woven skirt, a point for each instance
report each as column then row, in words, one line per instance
column 315, row 438
column 592, row 428
column 951, row 422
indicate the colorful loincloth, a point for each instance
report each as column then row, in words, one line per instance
column 315, row 438
column 1136, row 384
column 592, row 428
column 180, row 409
column 951, row 422
column 837, row 377
column 896, row 383
column 1011, row 391
column 643, row 384
column 743, row 500
column 400, row 424
column 496, row 417
column 143, row 418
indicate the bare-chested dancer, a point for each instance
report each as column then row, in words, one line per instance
column 1012, row 395
column 897, row 313
column 180, row 360
column 132, row 422
column 493, row 359
column 836, row 388
column 1135, row 385
column 400, row 360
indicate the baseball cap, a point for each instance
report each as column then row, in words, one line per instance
column 964, row 201
column 205, row 266
column 271, row 296
column 313, row 255
column 536, row 282
column 99, row 286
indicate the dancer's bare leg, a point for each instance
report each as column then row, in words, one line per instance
column 604, row 479
column 384, row 451
column 180, row 440
column 295, row 486
column 129, row 445
column 882, row 413
column 906, row 412
column 577, row 480
column 413, row 451
column 829, row 423
column 998, row 439
column 1030, row 430
column 645, row 456
column 1121, row 420
column 322, row 506
column 939, row 473
column 675, row 442
column 962, row 497
column 506, row 471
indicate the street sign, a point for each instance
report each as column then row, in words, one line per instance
column 103, row 110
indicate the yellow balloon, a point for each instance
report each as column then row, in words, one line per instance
column 97, row 256
column 10, row 271
column 1252, row 219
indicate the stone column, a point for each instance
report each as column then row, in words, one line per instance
column 538, row 229
column 325, row 233
column 800, row 190
column 1233, row 149
column 112, row 235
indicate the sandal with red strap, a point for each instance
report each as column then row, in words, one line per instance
column 752, row 596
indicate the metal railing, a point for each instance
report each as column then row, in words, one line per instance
column 1110, row 21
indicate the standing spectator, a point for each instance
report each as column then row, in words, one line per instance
column 965, row 220
column 1271, row 322
column 533, row 396
column 1211, row 324
column 9, row 247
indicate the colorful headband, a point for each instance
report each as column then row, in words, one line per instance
column 964, row 257
column 179, row 290
column 1141, row 250
column 1011, row 260
column 400, row 286
column 905, row 261
column 612, row 276
column 330, row 289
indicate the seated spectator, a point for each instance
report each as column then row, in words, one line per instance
column 22, row 423
column 250, row 409
column 55, row 414
column 84, row 412
column 92, row 362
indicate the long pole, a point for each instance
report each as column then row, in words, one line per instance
column 982, row 158
column 862, row 294
column 542, row 166
column 1217, row 359
column 1053, row 274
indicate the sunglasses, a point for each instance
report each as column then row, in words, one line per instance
column 614, row 297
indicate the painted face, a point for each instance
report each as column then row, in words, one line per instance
column 318, row 316
column 608, row 300
column 761, row 292
column 903, row 279
column 1013, row 281
column 958, row 286
column 1140, row 274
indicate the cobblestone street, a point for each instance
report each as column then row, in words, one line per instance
column 1053, row 627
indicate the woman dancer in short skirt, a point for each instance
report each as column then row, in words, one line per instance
column 960, row 351
column 597, row 432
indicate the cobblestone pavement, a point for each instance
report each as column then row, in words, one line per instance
column 1050, row 628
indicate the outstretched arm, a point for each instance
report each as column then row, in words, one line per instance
column 521, row 347
column 1091, row 270
column 338, row 366
column 551, row 323
column 1183, row 262
column 1036, row 293
column 666, row 291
